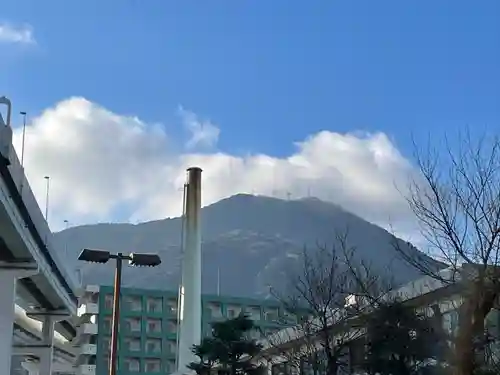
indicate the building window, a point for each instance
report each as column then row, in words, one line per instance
column 153, row 365
column 133, row 303
column 171, row 326
column 153, row 345
column 233, row 311
column 172, row 306
column 107, row 324
column 154, row 305
column 105, row 361
column 172, row 347
column 153, row 326
column 133, row 324
column 170, row 367
column 253, row 312
column 271, row 314
column 215, row 309
column 133, row 364
column 133, row 345
column 106, row 344
column 108, row 301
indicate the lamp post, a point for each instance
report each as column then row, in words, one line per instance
column 47, row 187
column 137, row 260
column 24, row 137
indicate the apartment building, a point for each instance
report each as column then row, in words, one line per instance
column 149, row 326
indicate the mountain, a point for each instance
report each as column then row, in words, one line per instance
column 248, row 243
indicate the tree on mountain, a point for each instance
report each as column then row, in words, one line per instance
column 456, row 199
column 401, row 341
column 230, row 349
column 319, row 296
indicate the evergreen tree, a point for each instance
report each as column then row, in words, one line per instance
column 402, row 342
column 230, row 348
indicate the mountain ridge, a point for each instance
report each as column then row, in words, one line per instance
column 245, row 237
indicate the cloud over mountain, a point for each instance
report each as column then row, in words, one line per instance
column 104, row 166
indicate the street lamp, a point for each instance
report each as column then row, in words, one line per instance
column 24, row 137
column 135, row 259
column 47, row 187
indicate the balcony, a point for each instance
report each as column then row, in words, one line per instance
column 85, row 370
column 84, row 331
column 88, row 349
column 88, row 329
column 92, row 289
column 88, row 309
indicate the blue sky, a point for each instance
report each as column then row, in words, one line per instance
column 268, row 72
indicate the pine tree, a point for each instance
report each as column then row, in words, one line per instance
column 230, row 348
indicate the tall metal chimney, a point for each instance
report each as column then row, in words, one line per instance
column 190, row 314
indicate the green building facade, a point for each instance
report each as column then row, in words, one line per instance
column 148, row 326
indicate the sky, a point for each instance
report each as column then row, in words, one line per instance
column 322, row 98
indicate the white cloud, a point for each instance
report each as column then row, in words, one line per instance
column 203, row 132
column 108, row 167
column 16, row 34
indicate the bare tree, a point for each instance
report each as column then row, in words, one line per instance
column 456, row 200
column 319, row 297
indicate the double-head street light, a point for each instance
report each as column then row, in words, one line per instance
column 135, row 259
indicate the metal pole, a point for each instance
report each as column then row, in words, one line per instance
column 24, row 137
column 47, row 199
column 66, row 242
column 116, row 315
